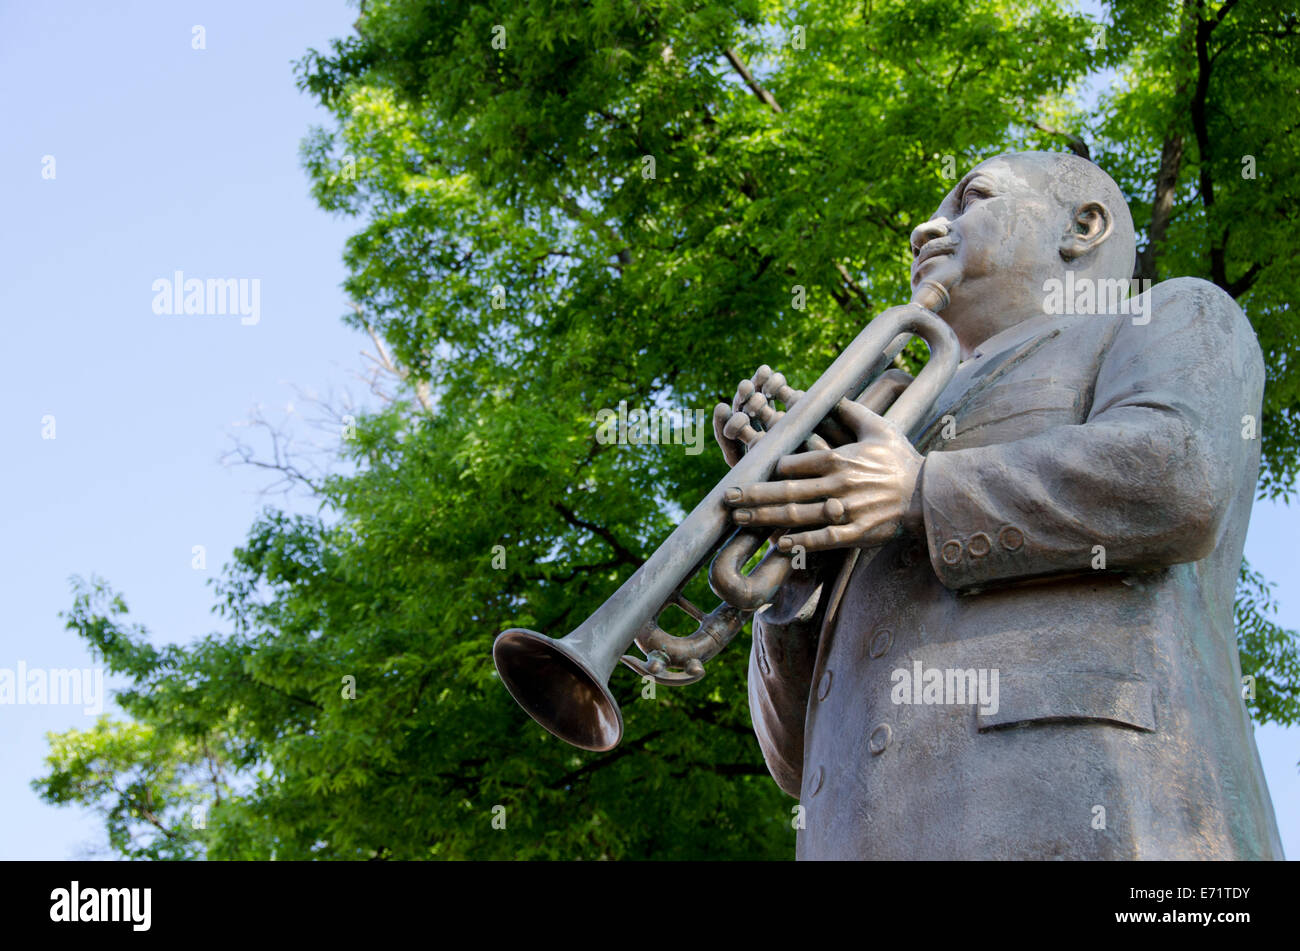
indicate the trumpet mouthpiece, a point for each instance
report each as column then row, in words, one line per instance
column 931, row 295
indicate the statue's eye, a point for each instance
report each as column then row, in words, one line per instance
column 972, row 193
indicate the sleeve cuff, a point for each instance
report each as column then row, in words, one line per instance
column 966, row 547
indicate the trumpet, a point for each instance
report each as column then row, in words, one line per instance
column 562, row 683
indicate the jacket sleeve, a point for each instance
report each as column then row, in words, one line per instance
column 1147, row 476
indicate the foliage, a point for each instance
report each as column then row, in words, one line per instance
column 1207, row 114
column 1268, row 651
column 153, row 792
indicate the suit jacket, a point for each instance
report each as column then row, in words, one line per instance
column 1084, row 526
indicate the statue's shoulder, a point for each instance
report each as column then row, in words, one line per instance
column 1193, row 298
column 1189, row 313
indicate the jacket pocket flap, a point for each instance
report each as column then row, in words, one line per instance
column 1066, row 696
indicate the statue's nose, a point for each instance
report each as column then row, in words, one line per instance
column 934, row 228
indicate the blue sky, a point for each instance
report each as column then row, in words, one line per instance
column 170, row 158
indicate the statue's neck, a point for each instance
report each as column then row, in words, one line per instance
column 1003, row 330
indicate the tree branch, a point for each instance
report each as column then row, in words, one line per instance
column 421, row 387
column 763, row 95
column 1171, row 162
column 624, row 555
column 1076, row 144
column 1242, row 284
column 853, row 285
column 624, row 750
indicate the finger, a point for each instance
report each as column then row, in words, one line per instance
column 802, row 465
column 790, row 515
column 731, row 452
column 862, row 421
column 834, row 536
column 721, row 413
column 775, row 493
column 884, row 389
column 835, row 430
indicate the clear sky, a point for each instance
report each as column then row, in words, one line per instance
column 171, row 158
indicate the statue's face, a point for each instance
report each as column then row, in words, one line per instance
column 993, row 241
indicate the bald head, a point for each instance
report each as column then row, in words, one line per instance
column 1079, row 184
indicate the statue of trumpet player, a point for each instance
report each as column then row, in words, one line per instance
column 1013, row 638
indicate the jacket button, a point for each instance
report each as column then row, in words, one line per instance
column 950, row 552
column 979, row 545
column 879, row 739
column 1011, row 538
column 824, row 686
column 881, row 643
column 815, row 782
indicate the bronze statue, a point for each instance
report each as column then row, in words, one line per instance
column 996, row 620
column 1071, row 523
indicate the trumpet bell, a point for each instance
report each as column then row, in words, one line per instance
column 558, row 688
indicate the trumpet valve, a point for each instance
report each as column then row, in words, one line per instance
column 778, row 388
column 738, row 427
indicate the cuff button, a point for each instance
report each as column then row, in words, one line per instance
column 950, row 552
column 979, row 545
column 1011, row 538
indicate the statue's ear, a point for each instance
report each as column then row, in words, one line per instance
column 1090, row 226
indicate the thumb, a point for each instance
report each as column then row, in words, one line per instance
column 858, row 418
column 731, row 450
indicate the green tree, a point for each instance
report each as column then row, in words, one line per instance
column 563, row 205
column 153, row 790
